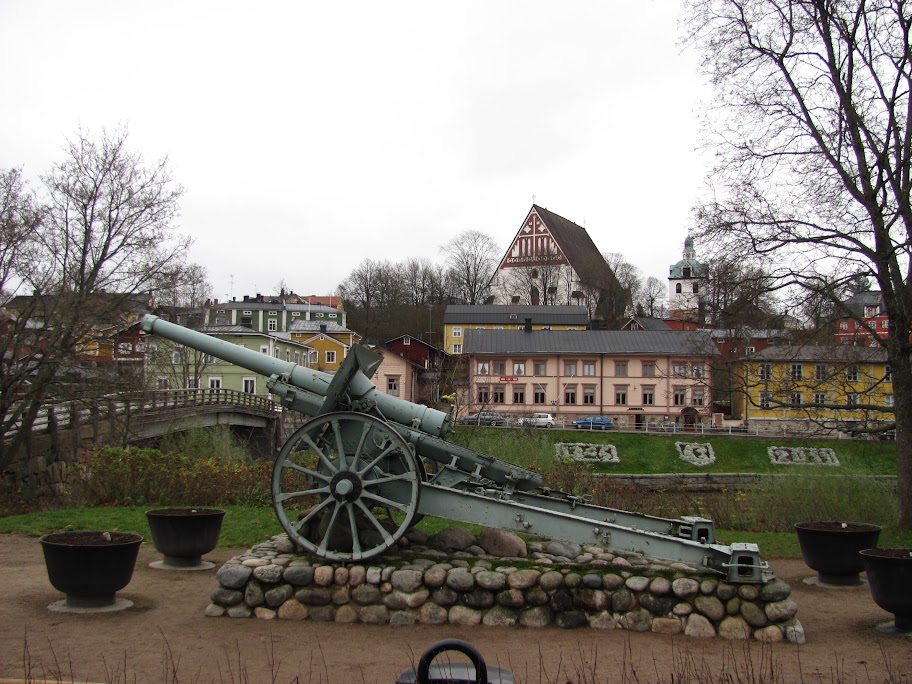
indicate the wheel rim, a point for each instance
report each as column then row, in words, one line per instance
column 345, row 486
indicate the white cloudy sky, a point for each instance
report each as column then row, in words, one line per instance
column 313, row 135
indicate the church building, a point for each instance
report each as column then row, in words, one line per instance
column 553, row 261
column 684, row 282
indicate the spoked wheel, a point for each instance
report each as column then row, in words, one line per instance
column 345, row 486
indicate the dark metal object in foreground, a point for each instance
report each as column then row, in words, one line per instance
column 475, row 672
column 349, row 483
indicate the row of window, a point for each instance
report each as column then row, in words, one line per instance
column 571, row 394
column 572, row 367
column 178, row 355
column 457, row 329
column 796, row 399
column 821, row 372
column 215, row 383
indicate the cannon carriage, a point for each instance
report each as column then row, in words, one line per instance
column 366, row 466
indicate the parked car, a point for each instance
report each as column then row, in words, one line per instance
column 593, row 423
column 537, row 420
column 483, row 418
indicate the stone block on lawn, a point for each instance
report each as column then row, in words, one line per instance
column 233, row 575
column 452, row 539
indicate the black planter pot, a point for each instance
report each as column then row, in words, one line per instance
column 831, row 548
column 183, row 535
column 890, row 579
column 90, row 567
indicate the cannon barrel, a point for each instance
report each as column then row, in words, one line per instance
column 310, row 386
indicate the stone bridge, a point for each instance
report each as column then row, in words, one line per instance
column 63, row 431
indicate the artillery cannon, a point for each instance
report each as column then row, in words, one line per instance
column 367, row 466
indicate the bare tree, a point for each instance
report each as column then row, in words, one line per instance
column 106, row 232
column 813, row 133
column 652, row 297
column 629, row 276
column 471, row 259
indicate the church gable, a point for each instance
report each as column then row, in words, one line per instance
column 534, row 245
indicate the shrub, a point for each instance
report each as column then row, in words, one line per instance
column 134, row 476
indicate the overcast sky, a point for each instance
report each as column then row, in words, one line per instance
column 310, row 136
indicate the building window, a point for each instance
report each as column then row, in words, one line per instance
column 649, row 369
column 888, row 400
column 499, row 368
column 749, row 350
column 697, row 371
column 795, row 399
column 288, row 354
column 498, row 395
column 483, row 368
column 125, row 348
column 295, row 314
column 696, row 288
column 275, row 352
column 392, row 385
column 766, row 400
column 215, row 384
column 765, row 371
column 888, row 373
column 247, row 313
column 844, row 325
column 620, row 395
column 538, row 396
column 249, row 385
column 272, row 325
column 820, row 398
column 519, row 394
column 519, row 368
column 162, row 383
column 680, row 370
column 193, row 383
column 570, row 394
column 406, row 341
column 570, row 368
column 852, row 373
column 649, row 397
column 313, row 357
column 330, row 357
column 457, row 331
column 177, row 356
column 540, row 368
column 680, row 396
column 797, row 371
column 697, row 396
column 589, row 394
column 620, row 369
column 678, row 288
column 852, row 399
column 457, row 349
column 589, row 368
column 484, row 394
column 819, row 371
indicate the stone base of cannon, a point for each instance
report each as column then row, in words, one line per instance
column 497, row 579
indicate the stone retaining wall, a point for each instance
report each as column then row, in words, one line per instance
column 431, row 586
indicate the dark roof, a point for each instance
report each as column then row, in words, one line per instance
column 857, row 302
column 299, row 326
column 578, row 247
column 589, row 342
column 415, row 339
column 516, row 314
column 646, row 323
column 833, row 353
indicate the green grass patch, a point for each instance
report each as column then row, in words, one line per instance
column 242, row 526
column 650, row 453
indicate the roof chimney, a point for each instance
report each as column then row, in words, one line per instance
column 528, row 326
column 322, row 327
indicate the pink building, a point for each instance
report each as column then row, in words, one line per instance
column 633, row 377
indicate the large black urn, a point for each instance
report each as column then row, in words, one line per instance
column 890, row 580
column 183, row 535
column 90, row 567
column 831, row 548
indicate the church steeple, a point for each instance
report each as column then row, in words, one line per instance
column 684, row 285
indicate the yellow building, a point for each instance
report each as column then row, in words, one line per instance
column 816, row 388
column 329, row 342
column 459, row 318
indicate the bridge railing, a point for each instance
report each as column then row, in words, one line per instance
column 66, row 414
